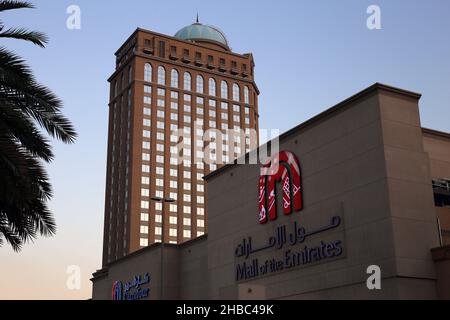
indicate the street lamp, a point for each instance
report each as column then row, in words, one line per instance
column 162, row 201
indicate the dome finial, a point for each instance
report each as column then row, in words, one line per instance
column 197, row 18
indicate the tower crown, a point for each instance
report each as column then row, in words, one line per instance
column 198, row 32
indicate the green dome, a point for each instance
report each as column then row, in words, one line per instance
column 200, row 32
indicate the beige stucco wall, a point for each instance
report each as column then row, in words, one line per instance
column 438, row 149
column 184, row 266
column 411, row 200
column 437, row 145
column 143, row 262
column 193, row 268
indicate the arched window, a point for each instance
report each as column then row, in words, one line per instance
column 200, row 84
column 187, row 81
column 174, row 78
column 212, row 87
column 246, row 95
column 236, row 92
column 148, row 72
column 224, row 90
column 161, row 75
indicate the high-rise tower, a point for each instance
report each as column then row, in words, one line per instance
column 193, row 82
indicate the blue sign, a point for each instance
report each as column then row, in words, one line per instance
column 131, row 290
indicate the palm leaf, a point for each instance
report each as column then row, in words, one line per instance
column 38, row 38
column 11, row 4
column 21, row 127
column 37, row 101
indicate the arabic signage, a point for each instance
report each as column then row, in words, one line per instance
column 287, row 248
column 290, row 245
column 131, row 290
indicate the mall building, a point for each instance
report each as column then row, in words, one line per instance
column 359, row 191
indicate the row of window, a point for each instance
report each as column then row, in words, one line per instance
column 145, row 216
column 172, row 232
column 199, row 122
column 186, row 57
column 147, row 123
column 186, row 235
column 173, row 173
column 172, row 221
column 187, row 108
column 187, row 118
column 179, row 155
column 145, row 193
column 200, row 87
column 200, row 110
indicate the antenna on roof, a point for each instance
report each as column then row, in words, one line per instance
column 197, row 18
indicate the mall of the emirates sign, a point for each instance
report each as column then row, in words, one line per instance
column 286, row 244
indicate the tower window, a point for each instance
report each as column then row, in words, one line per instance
column 187, row 81
column 185, row 53
column 130, row 74
column 246, row 95
column 162, row 49
column 173, row 51
column 200, row 84
column 161, row 75
column 148, row 72
column 224, row 90
column 174, row 78
column 236, row 92
column 212, row 87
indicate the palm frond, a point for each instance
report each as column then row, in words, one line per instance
column 10, row 236
column 16, row 82
column 13, row 68
column 11, row 5
column 38, row 38
column 18, row 126
column 21, row 172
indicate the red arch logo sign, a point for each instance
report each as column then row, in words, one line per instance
column 282, row 167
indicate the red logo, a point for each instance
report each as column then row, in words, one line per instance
column 282, row 167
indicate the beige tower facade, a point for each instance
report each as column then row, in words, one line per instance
column 191, row 82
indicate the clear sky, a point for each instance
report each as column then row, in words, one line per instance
column 309, row 56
